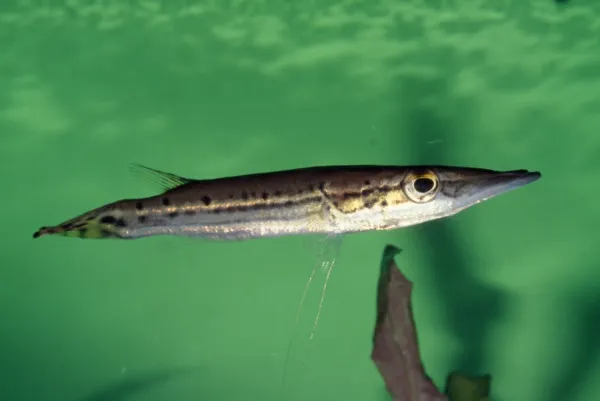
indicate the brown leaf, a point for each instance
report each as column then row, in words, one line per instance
column 395, row 347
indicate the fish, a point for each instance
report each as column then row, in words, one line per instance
column 330, row 200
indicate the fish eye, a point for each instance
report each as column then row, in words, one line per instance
column 423, row 185
column 421, row 188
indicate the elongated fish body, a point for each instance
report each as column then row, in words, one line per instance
column 319, row 200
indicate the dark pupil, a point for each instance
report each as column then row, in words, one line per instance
column 423, row 185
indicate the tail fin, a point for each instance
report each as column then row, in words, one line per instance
column 91, row 225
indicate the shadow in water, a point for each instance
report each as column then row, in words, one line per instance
column 469, row 305
column 584, row 349
column 126, row 388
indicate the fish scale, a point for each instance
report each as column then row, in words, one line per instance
column 317, row 200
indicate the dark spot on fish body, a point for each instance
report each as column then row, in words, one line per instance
column 173, row 214
column 384, row 203
column 206, row 200
column 369, row 203
column 289, row 203
column 139, row 206
column 82, row 232
column 166, row 201
column 121, row 223
column 244, row 195
column 189, row 212
column 142, row 219
column 366, row 192
column 265, row 195
column 367, row 182
column 278, row 193
column 108, row 220
column 253, row 194
column 352, row 195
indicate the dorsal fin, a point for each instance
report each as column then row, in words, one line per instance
column 164, row 181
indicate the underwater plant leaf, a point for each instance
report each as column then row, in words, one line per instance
column 395, row 348
column 460, row 387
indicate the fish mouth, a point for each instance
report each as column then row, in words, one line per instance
column 498, row 183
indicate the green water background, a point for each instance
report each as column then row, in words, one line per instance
column 217, row 88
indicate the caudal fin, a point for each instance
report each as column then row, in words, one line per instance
column 91, row 225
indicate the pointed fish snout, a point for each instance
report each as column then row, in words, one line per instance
column 502, row 182
column 524, row 172
column 518, row 178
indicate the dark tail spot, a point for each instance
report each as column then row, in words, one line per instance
column 206, row 200
column 108, row 220
column 105, row 233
